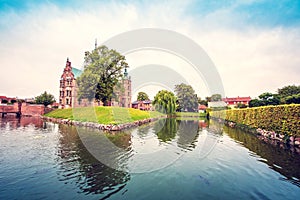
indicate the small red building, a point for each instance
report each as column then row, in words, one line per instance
column 233, row 101
column 142, row 105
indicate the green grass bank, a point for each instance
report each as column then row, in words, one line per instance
column 190, row 114
column 103, row 115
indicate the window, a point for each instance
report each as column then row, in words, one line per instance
column 67, row 101
column 70, row 93
column 60, row 101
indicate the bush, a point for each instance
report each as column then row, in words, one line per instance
column 284, row 119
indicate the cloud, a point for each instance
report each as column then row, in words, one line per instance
column 35, row 43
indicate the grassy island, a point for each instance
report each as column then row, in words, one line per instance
column 103, row 114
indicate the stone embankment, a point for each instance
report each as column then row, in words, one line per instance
column 107, row 127
column 269, row 135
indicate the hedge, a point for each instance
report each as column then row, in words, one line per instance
column 284, row 119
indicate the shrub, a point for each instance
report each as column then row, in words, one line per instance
column 284, row 119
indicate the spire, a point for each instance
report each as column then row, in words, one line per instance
column 67, row 59
column 125, row 73
column 96, row 43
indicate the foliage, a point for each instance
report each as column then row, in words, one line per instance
column 102, row 71
column 292, row 99
column 241, row 105
column 288, row 91
column 45, row 99
column 166, row 129
column 282, row 119
column 286, row 95
column 216, row 97
column 186, row 98
column 255, row 103
column 142, row 96
column 268, row 98
column 103, row 115
column 165, row 102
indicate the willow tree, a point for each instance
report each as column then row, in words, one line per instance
column 103, row 69
column 165, row 102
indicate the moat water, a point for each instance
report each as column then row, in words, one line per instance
column 168, row 159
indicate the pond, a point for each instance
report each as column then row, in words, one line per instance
column 167, row 159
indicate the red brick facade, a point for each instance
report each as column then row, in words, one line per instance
column 68, row 90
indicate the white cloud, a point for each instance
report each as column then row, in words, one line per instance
column 34, row 45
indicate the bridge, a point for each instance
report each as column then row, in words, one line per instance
column 22, row 109
column 7, row 109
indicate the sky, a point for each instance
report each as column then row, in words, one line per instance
column 254, row 44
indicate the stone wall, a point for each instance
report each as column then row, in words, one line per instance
column 32, row 109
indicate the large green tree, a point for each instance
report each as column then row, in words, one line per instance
column 142, row 96
column 268, row 98
column 45, row 98
column 103, row 69
column 289, row 94
column 216, row 97
column 186, row 98
column 165, row 102
column 288, row 91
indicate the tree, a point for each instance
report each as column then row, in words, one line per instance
column 292, row 99
column 102, row 71
column 288, row 91
column 255, row 103
column 216, row 97
column 165, row 102
column 268, row 98
column 142, row 96
column 241, row 105
column 45, row 98
column 186, row 98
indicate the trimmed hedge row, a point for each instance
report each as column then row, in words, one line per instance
column 284, row 119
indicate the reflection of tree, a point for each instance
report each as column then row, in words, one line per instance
column 188, row 133
column 215, row 127
column 121, row 139
column 143, row 130
column 289, row 162
column 79, row 166
column 166, row 129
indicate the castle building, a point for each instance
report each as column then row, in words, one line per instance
column 68, row 89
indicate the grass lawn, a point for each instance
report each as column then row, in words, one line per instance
column 190, row 114
column 103, row 115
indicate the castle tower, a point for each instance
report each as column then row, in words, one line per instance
column 125, row 97
column 67, row 87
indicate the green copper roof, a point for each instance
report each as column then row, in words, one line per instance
column 76, row 72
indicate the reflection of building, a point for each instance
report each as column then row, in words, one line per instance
column 233, row 101
column 142, row 105
column 68, row 89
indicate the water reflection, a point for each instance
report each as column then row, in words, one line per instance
column 13, row 122
column 281, row 160
column 78, row 166
column 166, row 129
column 188, row 133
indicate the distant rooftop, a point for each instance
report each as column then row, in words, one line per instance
column 76, row 72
